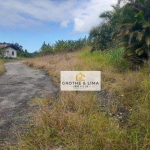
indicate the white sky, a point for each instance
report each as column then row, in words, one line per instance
column 81, row 14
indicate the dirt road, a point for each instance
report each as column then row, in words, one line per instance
column 17, row 86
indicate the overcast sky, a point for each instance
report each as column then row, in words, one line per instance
column 31, row 22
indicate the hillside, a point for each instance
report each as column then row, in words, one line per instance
column 80, row 120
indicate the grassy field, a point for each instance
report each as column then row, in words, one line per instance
column 76, row 120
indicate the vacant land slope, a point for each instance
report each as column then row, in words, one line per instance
column 77, row 120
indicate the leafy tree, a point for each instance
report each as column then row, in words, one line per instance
column 46, row 49
column 19, row 47
column 100, row 37
column 26, row 53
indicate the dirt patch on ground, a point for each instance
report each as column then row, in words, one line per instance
column 17, row 86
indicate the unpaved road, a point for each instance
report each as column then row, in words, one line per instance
column 17, row 86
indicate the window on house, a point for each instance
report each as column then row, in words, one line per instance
column 13, row 53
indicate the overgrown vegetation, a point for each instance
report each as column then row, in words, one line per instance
column 128, row 26
column 78, row 120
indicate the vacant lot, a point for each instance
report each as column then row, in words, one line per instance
column 79, row 121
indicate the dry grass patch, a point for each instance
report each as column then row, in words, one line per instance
column 53, row 64
column 2, row 69
column 76, row 120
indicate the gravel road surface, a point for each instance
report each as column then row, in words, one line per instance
column 17, row 86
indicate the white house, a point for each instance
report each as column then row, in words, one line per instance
column 8, row 50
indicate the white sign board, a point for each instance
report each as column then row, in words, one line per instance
column 80, row 81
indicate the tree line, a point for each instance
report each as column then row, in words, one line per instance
column 22, row 52
column 63, row 45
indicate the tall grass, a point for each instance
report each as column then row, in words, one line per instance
column 112, row 57
column 77, row 120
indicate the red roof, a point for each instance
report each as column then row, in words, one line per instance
column 4, row 46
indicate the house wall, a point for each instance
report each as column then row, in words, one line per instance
column 10, row 52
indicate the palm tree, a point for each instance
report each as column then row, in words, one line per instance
column 134, row 30
column 101, row 36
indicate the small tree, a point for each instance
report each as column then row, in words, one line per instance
column 100, row 37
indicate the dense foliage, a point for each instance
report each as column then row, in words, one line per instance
column 22, row 52
column 128, row 25
column 100, row 37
